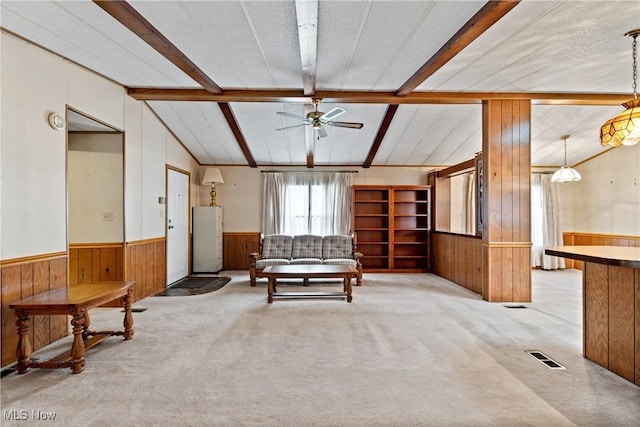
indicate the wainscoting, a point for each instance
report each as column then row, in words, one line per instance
column 572, row 238
column 237, row 247
column 21, row 278
column 458, row 258
column 99, row 262
column 142, row 261
column 146, row 264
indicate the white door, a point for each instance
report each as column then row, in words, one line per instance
column 177, row 225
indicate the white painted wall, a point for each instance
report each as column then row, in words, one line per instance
column 33, row 204
column 607, row 199
column 95, row 188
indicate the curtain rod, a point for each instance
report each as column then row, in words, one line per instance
column 280, row 171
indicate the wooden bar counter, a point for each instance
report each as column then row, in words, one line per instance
column 611, row 305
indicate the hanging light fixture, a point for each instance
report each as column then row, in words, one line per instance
column 624, row 129
column 565, row 173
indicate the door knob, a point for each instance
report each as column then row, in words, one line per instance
column 170, row 227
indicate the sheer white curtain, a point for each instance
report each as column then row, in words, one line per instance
column 306, row 203
column 545, row 222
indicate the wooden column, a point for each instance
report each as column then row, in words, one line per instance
column 506, row 237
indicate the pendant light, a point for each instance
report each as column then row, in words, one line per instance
column 565, row 173
column 624, row 129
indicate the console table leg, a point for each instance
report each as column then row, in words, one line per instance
column 128, row 317
column 77, row 349
column 23, row 350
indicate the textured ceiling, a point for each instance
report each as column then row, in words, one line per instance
column 539, row 46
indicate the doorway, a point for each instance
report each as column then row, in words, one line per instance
column 177, row 224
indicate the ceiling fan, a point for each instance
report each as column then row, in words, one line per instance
column 318, row 119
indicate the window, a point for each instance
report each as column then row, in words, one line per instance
column 307, row 203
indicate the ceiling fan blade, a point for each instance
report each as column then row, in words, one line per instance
column 345, row 125
column 333, row 113
column 322, row 133
column 293, row 116
column 291, row 127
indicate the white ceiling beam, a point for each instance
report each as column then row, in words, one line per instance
column 307, row 17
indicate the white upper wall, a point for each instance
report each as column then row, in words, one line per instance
column 33, row 200
column 607, row 199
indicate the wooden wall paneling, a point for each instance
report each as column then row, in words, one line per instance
column 237, row 247
column 58, row 325
column 11, row 291
column 637, row 323
column 595, row 299
column 21, row 280
column 622, row 322
column 85, row 265
column 74, row 266
column 161, row 263
column 41, row 283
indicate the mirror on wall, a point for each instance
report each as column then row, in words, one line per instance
column 95, row 181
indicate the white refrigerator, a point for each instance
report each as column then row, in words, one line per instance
column 207, row 239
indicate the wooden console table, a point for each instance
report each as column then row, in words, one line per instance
column 611, row 305
column 75, row 301
column 306, row 272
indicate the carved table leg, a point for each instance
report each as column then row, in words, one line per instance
column 77, row 348
column 23, row 350
column 86, row 333
column 347, row 284
column 128, row 317
column 271, row 289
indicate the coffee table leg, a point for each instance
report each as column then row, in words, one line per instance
column 128, row 317
column 23, row 350
column 270, row 289
column 77, row 348
column 347, row 284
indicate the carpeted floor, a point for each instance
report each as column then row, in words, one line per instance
column 194, row 286
column 410, row 350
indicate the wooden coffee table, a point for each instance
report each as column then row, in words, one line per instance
column 309, row 271
column 75, row 301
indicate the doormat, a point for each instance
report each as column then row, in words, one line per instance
column 194, row 286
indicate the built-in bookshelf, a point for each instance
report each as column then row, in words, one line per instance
column 392, row 224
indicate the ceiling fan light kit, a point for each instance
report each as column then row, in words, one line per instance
column 624, row 129
column 318, row 119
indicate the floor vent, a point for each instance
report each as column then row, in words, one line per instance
column 515, row 306
column 543, row 358
column 136, row 310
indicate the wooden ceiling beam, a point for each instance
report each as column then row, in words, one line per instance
column 488, row 15
column 382, row 131
column 307, row 17
column 233, row 124
column 361, row 97
column 124, row 13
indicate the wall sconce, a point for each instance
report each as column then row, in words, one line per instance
column 212, row 176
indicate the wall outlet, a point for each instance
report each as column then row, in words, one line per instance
column 107, row 216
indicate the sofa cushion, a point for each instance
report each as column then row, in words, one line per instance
column 262, row 263
column 307, row 246
column 277, row 246
column 341, row 261
column 337, row 246
column 306, row 261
